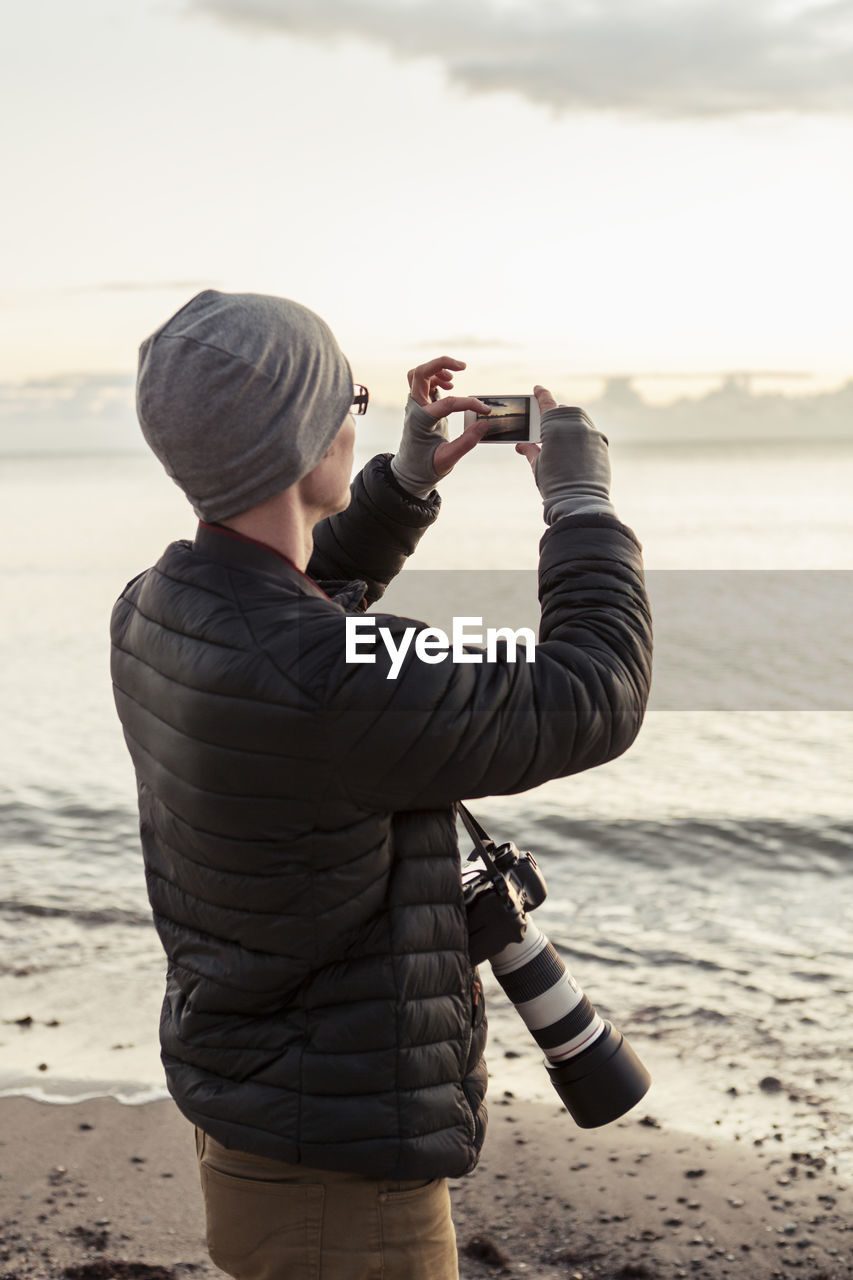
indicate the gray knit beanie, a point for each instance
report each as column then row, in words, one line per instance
column 239, row 395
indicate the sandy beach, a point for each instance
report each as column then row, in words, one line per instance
column 103, row 1191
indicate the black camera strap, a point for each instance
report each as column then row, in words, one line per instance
column 484, row 845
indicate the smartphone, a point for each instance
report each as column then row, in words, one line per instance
column 513, row 419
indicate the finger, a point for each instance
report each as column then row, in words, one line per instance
column 442, row 379
column 530, row 452
column 424, row 377
column 455, row 404
column 445, row 365
column 544, row 399
column 438, row 364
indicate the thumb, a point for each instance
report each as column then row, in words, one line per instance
column 450, row 451
column 530, row 452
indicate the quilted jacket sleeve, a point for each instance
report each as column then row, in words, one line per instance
column 448, row 731
column 372, row 538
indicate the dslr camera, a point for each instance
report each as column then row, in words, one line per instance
column 593, row 1068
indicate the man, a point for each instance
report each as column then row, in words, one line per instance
column 323, row 1027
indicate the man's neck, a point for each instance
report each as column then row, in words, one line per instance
column 281, row 524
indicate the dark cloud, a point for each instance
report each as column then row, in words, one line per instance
column 664, row 58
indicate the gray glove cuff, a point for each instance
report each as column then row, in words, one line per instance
column 578, row 506
column 412, row 463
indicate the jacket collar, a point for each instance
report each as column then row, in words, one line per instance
column 218, row 543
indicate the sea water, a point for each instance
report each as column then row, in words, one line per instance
column 699, row 886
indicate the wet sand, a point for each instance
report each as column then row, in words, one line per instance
column 101, row 1191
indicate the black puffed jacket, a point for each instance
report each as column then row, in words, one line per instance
column 296, row 816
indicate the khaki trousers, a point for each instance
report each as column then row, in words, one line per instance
column 267, row 1220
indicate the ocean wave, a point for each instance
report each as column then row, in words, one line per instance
column 57, row 821
column 822, row 845
column 80, row 915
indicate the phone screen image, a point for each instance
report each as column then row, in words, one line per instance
column 509, row 419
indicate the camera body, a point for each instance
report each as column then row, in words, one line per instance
column 497, row 906
column 593, row 1068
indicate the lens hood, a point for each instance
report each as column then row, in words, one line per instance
column 602, row 1083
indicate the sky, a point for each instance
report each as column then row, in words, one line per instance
column 552, row 190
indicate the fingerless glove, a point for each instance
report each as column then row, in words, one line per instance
column 573, row 467
column 412, row 463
